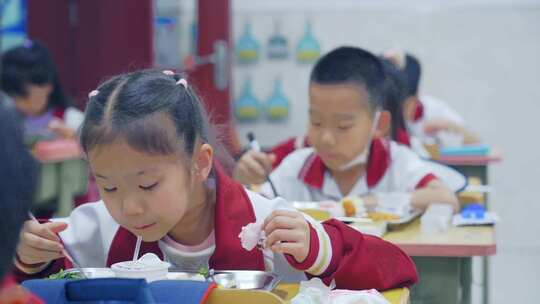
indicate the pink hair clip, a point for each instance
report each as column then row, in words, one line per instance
column 93, row 93
column 183, row 82
column 168, row 72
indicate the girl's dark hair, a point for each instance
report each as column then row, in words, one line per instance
column 351, row 65
column 31, row 64
column 413, row 72
column 395, row 93
column 138, row 107
column 17, row 181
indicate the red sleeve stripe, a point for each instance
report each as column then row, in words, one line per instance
column 426, row 180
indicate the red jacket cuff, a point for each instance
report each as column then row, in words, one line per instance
column 312, row 254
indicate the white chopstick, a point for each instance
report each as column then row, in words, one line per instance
column 137, row 248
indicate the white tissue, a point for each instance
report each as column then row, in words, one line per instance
column 436, row 219
column 371, row 296
column 251, row 235
column 315, row 291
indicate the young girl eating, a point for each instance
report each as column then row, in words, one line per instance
column 146, row 138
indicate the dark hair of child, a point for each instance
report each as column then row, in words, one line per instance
column 17, row 181
column 413, row 72
column 351, row 65
column 140, row 106
column 395, row 93
column 31, row 64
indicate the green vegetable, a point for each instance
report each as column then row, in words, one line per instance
column 204, row 271
column 64, row 275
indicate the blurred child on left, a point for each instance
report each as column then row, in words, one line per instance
column 16, row 184
column 30, row 79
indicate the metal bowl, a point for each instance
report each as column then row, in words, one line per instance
column 247, row 279
column 230, row 279
column 185, row 276
column 94, row 273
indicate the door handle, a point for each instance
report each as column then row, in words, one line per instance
column 219, row 58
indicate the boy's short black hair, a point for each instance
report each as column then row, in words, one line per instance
column 16, row 183
column 413, row 71
column 352, row 65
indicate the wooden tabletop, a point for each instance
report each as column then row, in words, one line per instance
column 457, row 242
column 470, row 160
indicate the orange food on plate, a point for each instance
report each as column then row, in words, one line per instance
column 349, row 207
column 381, row 216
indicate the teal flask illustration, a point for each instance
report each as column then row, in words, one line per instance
column 277, row 44
column 277, row 106
column 247, row 107
column 308, row 49
column 247, row 48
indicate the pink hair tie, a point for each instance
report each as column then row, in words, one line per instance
column 93, row 93
column 168, row 72
column 183, row 82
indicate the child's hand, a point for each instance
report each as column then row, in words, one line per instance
column 436, row 125
column 253, row 167
column 39, row 243
column 60, row 129
column 288, row 232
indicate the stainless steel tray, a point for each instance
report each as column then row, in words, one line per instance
column 413, row 214
column 247, row 279
column 231, row 279
column 406, row 219
column 93, row 273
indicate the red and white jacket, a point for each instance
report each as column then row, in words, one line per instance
column 431, row 108
column 337, row 252
column 286, row 147
column 302, row 176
